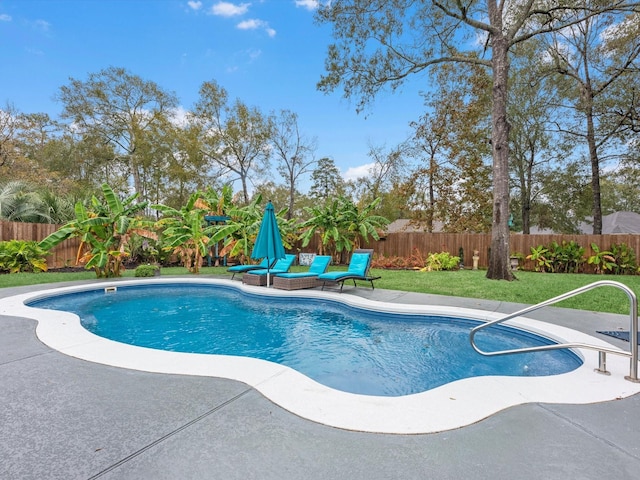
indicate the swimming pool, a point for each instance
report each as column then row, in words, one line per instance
column 456, row 404
column 346, row 348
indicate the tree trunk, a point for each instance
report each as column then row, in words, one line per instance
column 595, row 173
column 526, row 196
column 432, row 195
column 292, row 194
column 499, row 268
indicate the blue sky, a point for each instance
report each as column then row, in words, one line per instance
column 268, row 53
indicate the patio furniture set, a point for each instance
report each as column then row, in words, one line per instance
column 277, row 273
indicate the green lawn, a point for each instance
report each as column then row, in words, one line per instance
column 530, row 288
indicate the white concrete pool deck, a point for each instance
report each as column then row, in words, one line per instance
column 458, row 404
column 62, row 417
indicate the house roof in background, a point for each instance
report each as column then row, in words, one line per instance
column 408, row 225
column 618, row 222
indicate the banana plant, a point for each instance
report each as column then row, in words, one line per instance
column 104, row 229
column 184, row 231
column 540, row 256
column 602, row 260
column 240, row 231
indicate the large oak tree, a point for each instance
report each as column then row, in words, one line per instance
column 379, row 43
column 122, row 110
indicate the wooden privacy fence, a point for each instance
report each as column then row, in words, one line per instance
column 62, row 255
column 403, row 244
column 400, row 244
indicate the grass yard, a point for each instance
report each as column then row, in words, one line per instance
column 530, row 288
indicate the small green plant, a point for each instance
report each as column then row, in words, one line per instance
column 566, row 257
column 147, row 271
column 540, row 256
column 22, row 256
column 440, row 261
column 602, row 260
column 625, row 259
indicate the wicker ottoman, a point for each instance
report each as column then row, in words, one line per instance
column 295, row 283
column 257, row 280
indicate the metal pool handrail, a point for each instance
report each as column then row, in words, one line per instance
column 602, row 368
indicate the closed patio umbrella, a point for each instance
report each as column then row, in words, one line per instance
column 269, row 242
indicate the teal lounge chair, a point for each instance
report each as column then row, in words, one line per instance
column 259, row 277
column 247, row 268
column 358, row 270
column 308, row 279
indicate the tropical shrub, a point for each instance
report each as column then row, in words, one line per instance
column 540, row 257
column 22, row 256
column 147, row 271
column 341, row 225
column 441, row 261
column 602, row 260
column 625, row 259
column 104, row 228
column 184, row 231
column 567, row 257
column 241, row 229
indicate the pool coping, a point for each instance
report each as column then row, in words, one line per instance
column 450, row 406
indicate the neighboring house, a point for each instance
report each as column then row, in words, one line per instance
column 619, row 222
column 409, row 226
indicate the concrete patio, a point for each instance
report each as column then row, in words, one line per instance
column 64, row 418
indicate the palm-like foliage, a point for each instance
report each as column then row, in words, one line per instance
column 362, row 223
column 19, row 204
column 326, row 222
column 340, row 225
column 241, row 230
column 184, row 231
column 104, row 230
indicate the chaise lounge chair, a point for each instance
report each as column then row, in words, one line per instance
column 298, row 280
column 358, row 270
column 260, row 277
column 246, row 268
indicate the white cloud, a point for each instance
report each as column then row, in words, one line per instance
column 308, row 4
column 193, row 5
column 4, row 17
column 180, row 116
column 250, row 24
column 227, row 9
column 353, row 173
column 254, row 24
column 42, row 25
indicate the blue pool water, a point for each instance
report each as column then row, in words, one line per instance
column 347, row 348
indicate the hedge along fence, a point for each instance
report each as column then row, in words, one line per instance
column 62, row 255
column 400, row 244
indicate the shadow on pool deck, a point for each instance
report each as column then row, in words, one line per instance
column 70, row 419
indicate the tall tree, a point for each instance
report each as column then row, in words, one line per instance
column 327, row 182
column 294, row 153
column 596, row 54
column 382, row 42
column 533, row 106
column 9, row 126
column 235, row 136
column 385, row 170
column 119, row 108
